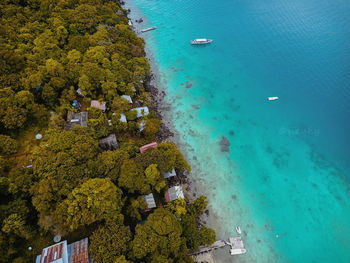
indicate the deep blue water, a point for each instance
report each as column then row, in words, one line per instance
column 286, row 179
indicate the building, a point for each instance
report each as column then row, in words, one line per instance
column 150, row 201
column 148, row 146
column 174, row 193
column 127, row 97
column 98, row 105
column 76, row 119
column 109, row 143
column 169, row 174
column 61, row 252
column 123, row 118
column 141, row 111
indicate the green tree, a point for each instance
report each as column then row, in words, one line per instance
column 121, row 259
column 132, row 178
column 16, row 224
column 108, row 242
column 109, row 163
column 166, row 156
column 95, row 200
column 159, row 237
column 7, row 145
column 135, row 206
column 15, row 108
column 154, row 178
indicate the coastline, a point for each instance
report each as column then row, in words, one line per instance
column 168, row 132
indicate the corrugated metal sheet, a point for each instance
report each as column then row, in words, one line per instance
column 78, row 251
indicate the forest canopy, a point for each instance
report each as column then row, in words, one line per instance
column 70, row 162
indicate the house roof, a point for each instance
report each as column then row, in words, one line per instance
column 141, row 111
column 169, row 174
column 98, row 105
column 123, row 118
column 174, row 193
column 109, row 143
column 76, row 252
column 150, row 201
column 148, row 146
column 76, row 118
column 127, row 97
column 56, row 253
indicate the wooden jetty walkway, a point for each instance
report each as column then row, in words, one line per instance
column 235, row 243
column 215, row 245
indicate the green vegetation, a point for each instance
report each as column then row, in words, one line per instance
column 66, row 183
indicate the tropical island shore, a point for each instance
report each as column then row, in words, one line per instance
column 83, row 153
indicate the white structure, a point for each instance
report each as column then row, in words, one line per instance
column 127, row 97
column 174, row 193
column 237, row 246
column 169, row 174
column 123, row 118
column 150, row 201
column 98, row 105
column 141, row 111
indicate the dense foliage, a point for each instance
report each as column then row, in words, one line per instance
column 55, row 57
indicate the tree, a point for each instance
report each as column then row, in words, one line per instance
column 154, row 178
column 15, row 224
column 159, row 237
column 121, row 259
column 135, row 206
column 110, row 162
column 166, row 156
column 132, row 178
column 15, row 108
column 7, row 145
column 95, row 200
column 196, row 236
column 63, row 160
column 108, row 242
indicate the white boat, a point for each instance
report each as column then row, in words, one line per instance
column 201, row 41
column 238, row 229
column 272, row 98
column 148, row 29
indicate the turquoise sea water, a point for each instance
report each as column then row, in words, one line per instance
column 285, row 180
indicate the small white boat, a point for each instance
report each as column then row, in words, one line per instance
column 238, row 230
column 148, row 29
column 272, row 98
column 201, row 41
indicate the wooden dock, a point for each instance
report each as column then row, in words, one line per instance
column 215, row 245
column 235, row 243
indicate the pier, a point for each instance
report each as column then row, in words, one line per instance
column 235, row 243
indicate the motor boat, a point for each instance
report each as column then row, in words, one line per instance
column 238, row 230
column 272, row 98
column 201, row 41
column 148, row 29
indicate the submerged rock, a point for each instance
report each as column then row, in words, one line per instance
column 225, row 144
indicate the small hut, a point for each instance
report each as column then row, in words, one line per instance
column 127, row 97
column 141, row 111
column 172, row 173
column 174, row 193
column 109, row 143
column 76, row 119
column 98, row 105
column 150, row 201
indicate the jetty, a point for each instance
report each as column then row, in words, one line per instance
column 235, row 243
